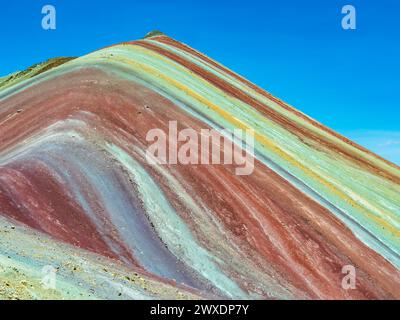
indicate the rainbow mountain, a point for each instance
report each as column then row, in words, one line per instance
column 78, row 198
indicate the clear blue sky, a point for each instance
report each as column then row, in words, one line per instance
column 297, row 50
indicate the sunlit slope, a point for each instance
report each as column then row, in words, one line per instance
column 73, row 166
column 32, row 71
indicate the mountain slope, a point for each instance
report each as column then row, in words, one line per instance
column 32, row 71
column 73, row 167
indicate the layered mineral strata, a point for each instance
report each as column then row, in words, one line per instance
column 77, row 194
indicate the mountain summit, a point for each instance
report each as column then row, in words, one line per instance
column 79, row 197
